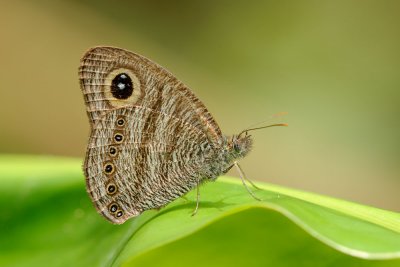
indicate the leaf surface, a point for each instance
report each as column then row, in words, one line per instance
column 47, row 219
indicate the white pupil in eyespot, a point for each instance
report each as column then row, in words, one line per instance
column 121, row 86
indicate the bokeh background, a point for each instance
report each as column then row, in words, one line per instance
column 334, row 66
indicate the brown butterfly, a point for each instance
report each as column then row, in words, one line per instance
column 151, row 138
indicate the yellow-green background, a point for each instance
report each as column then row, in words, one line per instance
column 332, row 65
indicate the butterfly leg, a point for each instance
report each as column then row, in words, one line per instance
column 197, row 199
column 242, row 175
column 243, row 178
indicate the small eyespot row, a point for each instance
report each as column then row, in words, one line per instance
column 109, row 168
column 118, row 138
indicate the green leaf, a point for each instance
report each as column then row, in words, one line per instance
column 47, row 220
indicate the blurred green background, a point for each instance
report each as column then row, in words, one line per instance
column 332, row 65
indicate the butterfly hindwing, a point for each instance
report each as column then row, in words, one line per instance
column 150, row 167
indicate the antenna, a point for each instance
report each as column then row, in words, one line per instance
column 263, row 127
column 273, row 116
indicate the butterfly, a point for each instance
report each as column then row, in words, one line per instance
column 151, row 139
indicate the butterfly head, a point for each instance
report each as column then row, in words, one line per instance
column 240, row 145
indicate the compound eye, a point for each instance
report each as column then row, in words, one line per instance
column 236, row 147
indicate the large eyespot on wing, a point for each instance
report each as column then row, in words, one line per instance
column 122, row 88
column 110, row 78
